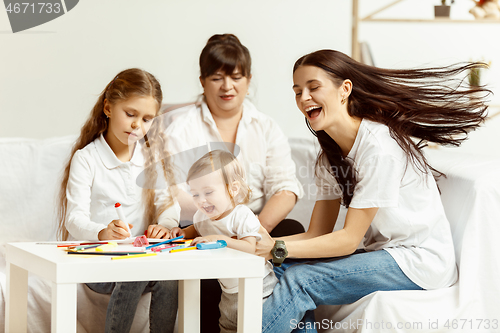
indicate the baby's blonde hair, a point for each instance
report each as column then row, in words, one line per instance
column 231, row 169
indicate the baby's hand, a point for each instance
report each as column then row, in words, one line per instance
column 157, row 231
column 206, row 239
column 176, row 232
column 117, row 229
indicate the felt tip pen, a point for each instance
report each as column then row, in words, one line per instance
column 183, row 249
column 165, row 242
column 90, row 253
column 106, row 247
column 86, row 247
column 69, row 245
column 212, row 245
column 174, row 247
column 162, row 247
column 134, row 256
column 121, row 216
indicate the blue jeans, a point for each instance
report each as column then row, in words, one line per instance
column 125, row 297
column 305, row 284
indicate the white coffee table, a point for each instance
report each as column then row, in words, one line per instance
column 65, row 271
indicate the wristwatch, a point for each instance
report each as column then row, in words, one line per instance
column 279, row 253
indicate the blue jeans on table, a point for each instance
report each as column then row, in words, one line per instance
column 305, row 284
column 125, row 297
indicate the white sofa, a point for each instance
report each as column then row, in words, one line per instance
column 29, row 179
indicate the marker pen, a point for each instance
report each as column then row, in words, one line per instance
column 212, row 245
column 121, row 216
column 106, row 247
column 183, row 249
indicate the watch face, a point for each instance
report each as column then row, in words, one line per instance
column 279, row 253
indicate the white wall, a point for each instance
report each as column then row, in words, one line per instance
column 51, row 75
column 403, row 45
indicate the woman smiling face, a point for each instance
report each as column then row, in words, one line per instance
column 322, row 101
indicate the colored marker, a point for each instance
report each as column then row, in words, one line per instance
column 104, row 253
column 174, row 247
column 86, row 247
column 134, row 256
column 212, row 245
column 105, row 247
column 67, row 245
column 121, row 216
column 165, row 242
column 163, row 247
column 93, row 243
column 183, row 249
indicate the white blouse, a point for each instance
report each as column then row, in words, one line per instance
column 264, row 151
column 98, row 180
column 410, row 223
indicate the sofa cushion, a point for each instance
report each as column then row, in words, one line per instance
column 30, row 176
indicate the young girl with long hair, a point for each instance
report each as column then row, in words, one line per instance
column 371, row 124
column 220, row 192
column 120, row 138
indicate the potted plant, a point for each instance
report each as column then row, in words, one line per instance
column 443, row 10
column 475, row 79
column 475, row 74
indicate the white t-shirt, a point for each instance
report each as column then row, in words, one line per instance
column 98, row 180
column 264, row 151
column 240, row 223
column 410, row 223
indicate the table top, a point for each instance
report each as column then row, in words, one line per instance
column 51, row 262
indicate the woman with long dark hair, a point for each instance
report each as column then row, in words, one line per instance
column 371, row 124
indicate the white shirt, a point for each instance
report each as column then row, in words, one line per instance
column 410, row 223
column 240, row 223
column 264, row 151
column 98, row 180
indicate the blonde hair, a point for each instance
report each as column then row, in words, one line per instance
column 128, row 83
column 231, row 169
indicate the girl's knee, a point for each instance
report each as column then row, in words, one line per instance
column 169, row 286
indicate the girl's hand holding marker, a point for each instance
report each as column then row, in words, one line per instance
column 121, row 216
column 117, row 229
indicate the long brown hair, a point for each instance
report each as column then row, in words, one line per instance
column 428, row 104
column 128, row 83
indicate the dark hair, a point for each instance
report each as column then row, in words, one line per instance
column 126, row 84
column 429, row 104
column 224, row 52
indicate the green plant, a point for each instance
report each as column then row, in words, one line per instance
column 474, row 76
column 443, row 2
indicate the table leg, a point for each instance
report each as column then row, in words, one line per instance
column 16, row 312
column 63, row 316
column 189, row 306
column 250, row 305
